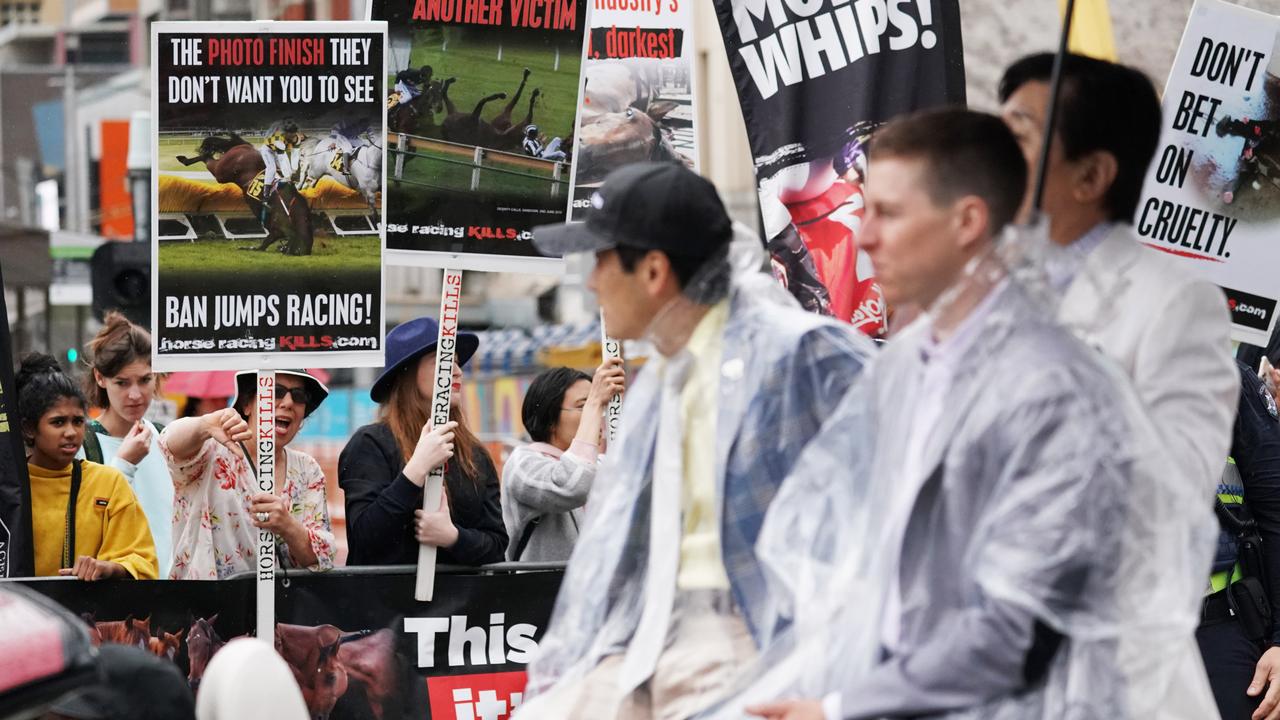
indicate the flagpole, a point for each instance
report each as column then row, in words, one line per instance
column 1051, row 122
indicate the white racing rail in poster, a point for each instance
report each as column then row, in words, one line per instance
column 441, row 401
column 1212, row 194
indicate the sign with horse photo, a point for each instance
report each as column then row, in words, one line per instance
column 815, row 80
column 1211, row 200
column 482, row 100
column 267, row 194
column 358, row 644
column 638, row 92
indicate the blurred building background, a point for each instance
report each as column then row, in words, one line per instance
column 74, row 73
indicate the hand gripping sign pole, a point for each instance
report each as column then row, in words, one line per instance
column 441, row 397
column 264, row 439
column 611, row 348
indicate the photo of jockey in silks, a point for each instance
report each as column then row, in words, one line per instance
column 1258, row 158
column 279, row 153
column 812, row 212
column 346, row 136
column 409, row 85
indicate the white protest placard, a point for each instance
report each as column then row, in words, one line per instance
column 637, row 101
column 1212, row 194
column 267, row 180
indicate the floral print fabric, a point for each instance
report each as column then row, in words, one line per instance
column 213, row 533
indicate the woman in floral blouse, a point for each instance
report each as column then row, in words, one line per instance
column 217, row 506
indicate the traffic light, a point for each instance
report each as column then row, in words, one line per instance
column 121, row 276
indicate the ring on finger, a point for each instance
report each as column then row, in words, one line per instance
column 262, row 517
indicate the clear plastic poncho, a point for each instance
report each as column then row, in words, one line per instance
column 1053, row 497
column 782, row 372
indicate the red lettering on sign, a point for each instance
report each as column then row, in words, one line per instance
column 491, row 696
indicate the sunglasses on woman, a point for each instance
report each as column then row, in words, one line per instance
column 299, row 394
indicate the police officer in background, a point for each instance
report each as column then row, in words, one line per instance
column 1239, row 633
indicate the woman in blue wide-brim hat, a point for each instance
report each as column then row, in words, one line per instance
column 384, row 466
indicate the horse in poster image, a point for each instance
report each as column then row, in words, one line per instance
column 202, row 642
column 231, row 159
column 469, row 128
column 365, row 176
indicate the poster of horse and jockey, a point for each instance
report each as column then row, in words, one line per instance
column 1212, row 196
column 482, row 98
column 638, row 91
column 814, row 84
column 268, row 194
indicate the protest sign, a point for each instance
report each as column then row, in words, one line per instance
column 637, row 101
column 470, row 82
column 16, row 559
column 814, row 80
column 461, row 655
column 1212, row 194
column 267, row 186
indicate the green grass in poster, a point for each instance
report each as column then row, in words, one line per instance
column 330, row 255
column 473, row 58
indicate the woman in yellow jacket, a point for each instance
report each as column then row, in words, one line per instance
column 86, row 520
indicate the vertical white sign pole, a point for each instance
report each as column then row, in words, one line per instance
column 611, row 348
column 265, row 444
column 441, row 397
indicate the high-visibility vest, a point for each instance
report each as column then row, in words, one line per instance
column 1231, row 493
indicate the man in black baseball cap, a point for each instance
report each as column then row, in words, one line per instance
column 664, row 597
column 658, row 230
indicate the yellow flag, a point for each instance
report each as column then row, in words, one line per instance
column 1091, row 33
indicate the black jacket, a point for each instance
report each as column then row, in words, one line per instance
column 381, row 501
column 1255, row 446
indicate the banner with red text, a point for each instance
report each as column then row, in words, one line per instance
column 267, row 193
column 360, row 645
column 815, row 79
column 1212, row 194
column 478, row 92
column 638, row 97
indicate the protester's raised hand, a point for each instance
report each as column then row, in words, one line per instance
column 227, row 427
column 435, row 447
column 609, row 380
column 136, row 443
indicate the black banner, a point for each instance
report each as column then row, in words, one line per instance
column 360, row 646
column 806, row 82
column 815, row 79
column 15, row 514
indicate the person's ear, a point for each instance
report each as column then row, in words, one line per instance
column 1095, row 173
column 99, row 379
column 971, row 220
column 656, row 271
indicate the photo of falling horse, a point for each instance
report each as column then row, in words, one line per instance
column 469, row 128
column 231, row 159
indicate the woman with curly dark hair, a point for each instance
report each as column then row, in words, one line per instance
column 86, row 521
